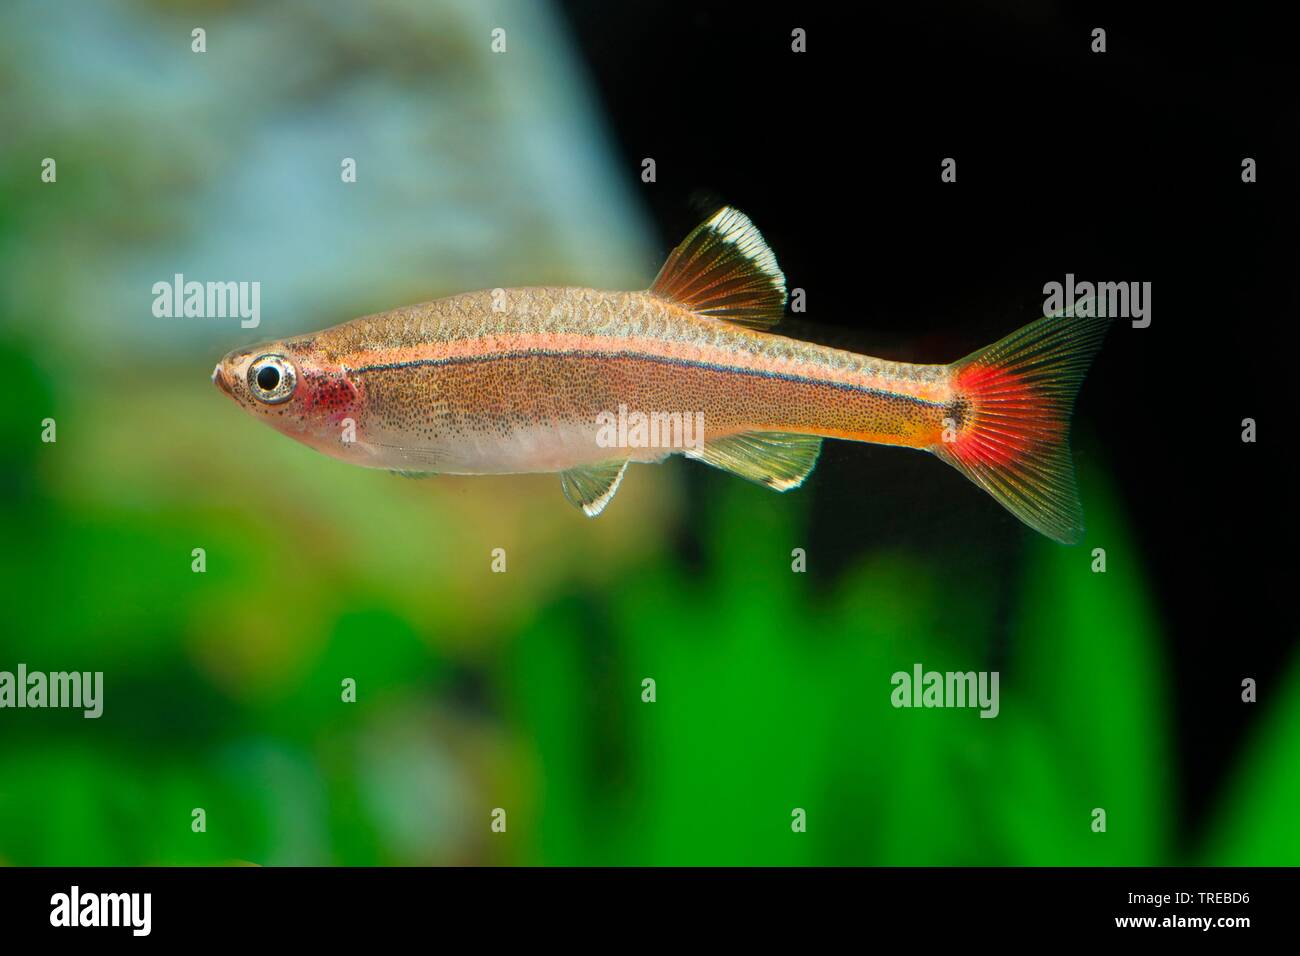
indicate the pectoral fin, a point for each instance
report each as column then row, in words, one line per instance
column 779, row 460
column 591, row 487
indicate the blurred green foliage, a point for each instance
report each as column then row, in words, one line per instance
column 523, row 690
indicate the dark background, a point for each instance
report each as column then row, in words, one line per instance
column 1119, row 166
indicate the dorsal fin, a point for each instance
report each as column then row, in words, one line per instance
column 725, row 270
column 779, row 460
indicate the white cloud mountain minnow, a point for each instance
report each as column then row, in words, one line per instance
column 581, row 382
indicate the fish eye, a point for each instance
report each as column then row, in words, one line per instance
column 271, row 379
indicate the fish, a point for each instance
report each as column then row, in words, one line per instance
column 583, row 382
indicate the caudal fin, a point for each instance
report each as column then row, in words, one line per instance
column 1011, row 435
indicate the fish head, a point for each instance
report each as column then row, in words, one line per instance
column 294, row 387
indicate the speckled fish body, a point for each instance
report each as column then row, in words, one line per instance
column 456, row 387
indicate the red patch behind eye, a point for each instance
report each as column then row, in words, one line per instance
column 329, row 393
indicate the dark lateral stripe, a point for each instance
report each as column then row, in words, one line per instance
column 648, row 357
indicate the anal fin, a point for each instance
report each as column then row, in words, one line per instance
column 779, row 460
column 591, row 487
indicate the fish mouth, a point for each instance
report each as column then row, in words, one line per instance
column 219, row 380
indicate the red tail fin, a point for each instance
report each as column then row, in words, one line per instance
column 1012, row 430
